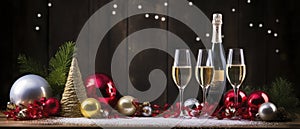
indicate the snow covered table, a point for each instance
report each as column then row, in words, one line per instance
column 142, row 122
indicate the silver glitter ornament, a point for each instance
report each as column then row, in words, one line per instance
column 192, row 104
column 104, row 113
column 267, row 111
column 29, row 88
column 22, row 114
column 147, row 111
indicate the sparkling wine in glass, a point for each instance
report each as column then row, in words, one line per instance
column 181, row 73
column 235, row 72
column 204, row 72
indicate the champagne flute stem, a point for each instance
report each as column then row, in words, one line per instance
column 181, row 101
column 236, row 91
column 204, row 95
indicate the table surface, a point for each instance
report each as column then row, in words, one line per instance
column 142, row 122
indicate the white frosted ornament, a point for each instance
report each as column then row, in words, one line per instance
column 192, row 104
column 28, row 88
column 147, row 111
column 267, row 111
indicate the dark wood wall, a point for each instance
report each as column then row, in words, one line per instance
column 267, row 55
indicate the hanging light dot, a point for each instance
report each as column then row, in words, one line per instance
column 207, row 34
column 39, row 15
column 49, row 4
column 147, row 15
column 260, row 25
column 156, row 17
column 277, row 20
column 37, row 28
column 113, row 12
column 140, row 6
column 277, row 51
column 275, row 35
column 248, row 1
column 233, row 9
column 166, row 4
column 190, row 3
column 163, row 19
column 115, row 6
column 197, row 38
column 250, row 24
column 223, row 36
column 269, row 31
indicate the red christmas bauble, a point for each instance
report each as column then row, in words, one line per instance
column 102, row 88
column 252, row 112
column 52, row 106
column 257, row 98
column 229, row 98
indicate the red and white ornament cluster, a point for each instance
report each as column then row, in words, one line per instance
column 42, row 108
column 247, row 107
column 110, row 104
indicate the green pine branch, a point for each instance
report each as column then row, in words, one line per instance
column 29, row 65
column 282, row 94
column 59, row 66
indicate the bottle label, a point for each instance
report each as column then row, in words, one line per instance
column 219, row 75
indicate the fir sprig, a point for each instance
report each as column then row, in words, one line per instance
column 29, row 65
column 282, row 94
column 59, row 67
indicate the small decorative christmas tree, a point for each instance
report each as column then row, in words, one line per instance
column 74, row 92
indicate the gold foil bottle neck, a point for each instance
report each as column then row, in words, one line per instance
column 217, row 19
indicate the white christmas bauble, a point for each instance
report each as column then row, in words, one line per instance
column 267, row 111
column 28, row 88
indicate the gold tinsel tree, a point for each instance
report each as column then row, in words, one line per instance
column 74, row 92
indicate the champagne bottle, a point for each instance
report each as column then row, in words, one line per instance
column 219, row 82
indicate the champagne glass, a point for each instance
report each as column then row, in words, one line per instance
column 235, row 72
column 204, row 72
column 181, row 73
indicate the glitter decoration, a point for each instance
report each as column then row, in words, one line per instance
column 147, row 15
column 269, row 31
column 37, row 28
column 156, row 17
column 137, row 122
column 140, row 6
column 113, row 12
column 233, row 9
column 250, row 24
column 207, row 35
column 166, row 4
column 39, row 15
column 115, row 6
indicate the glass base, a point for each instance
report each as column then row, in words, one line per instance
column 182, row 115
